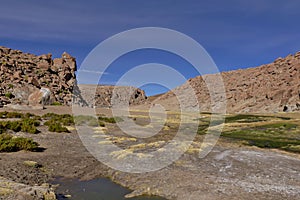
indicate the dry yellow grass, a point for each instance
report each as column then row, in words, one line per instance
column 105, row 142
column 70, row 128
column 179, row 163
column 147, row 126
column 121, row 154
column 139, row 116
column 166, row 128
column 101, row 130
column 143, row 155
column 147, row 145
column 122, row 139
column 5, row 191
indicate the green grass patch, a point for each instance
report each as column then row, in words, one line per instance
column 110, row 119
column 13, row 144
column 278, row 126
column 285, row 136
column 202, row 129
column 292, row 148
column 245, row 118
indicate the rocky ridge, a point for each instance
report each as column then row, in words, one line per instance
column 273, row 87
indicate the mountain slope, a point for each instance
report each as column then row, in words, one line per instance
column 269, row 88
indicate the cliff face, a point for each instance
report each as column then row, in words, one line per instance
column 269, row 88
column 23, row 74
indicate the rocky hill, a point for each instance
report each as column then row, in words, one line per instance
column 25, row 78
column 104, row 94
column 272, row 87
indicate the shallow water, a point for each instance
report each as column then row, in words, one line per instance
column 98, row 189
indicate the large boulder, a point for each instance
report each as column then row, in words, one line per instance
column 41, row 97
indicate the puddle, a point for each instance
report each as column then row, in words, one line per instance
column 98, row 189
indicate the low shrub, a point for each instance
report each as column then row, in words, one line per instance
column 87, row 120
column 57, row 127
column 102, row 124
column 9, row 95
column 10, row 125
column 32, row 116
column 16, row 126
column 65, row 119
column 110, row 119
column 29, row 125
column 25, row 125
column 13, row 144
column 14, row 115
column 6, row 114
column 56, row 103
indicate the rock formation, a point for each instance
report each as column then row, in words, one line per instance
column 23, row 74
column 104, row 95
column 24, row 78
column 273, row 87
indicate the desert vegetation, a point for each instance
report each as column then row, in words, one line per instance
column 28, row 122
column 25, row 125
column 8, row 143
column 258, row 130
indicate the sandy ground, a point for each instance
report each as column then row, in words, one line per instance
column 228, row 172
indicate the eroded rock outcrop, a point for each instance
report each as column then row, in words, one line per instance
column 23, row 74
column 24, row 77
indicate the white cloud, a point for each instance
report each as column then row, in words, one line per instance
column 93, row 72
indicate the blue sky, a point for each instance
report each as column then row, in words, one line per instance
column 236, row 33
